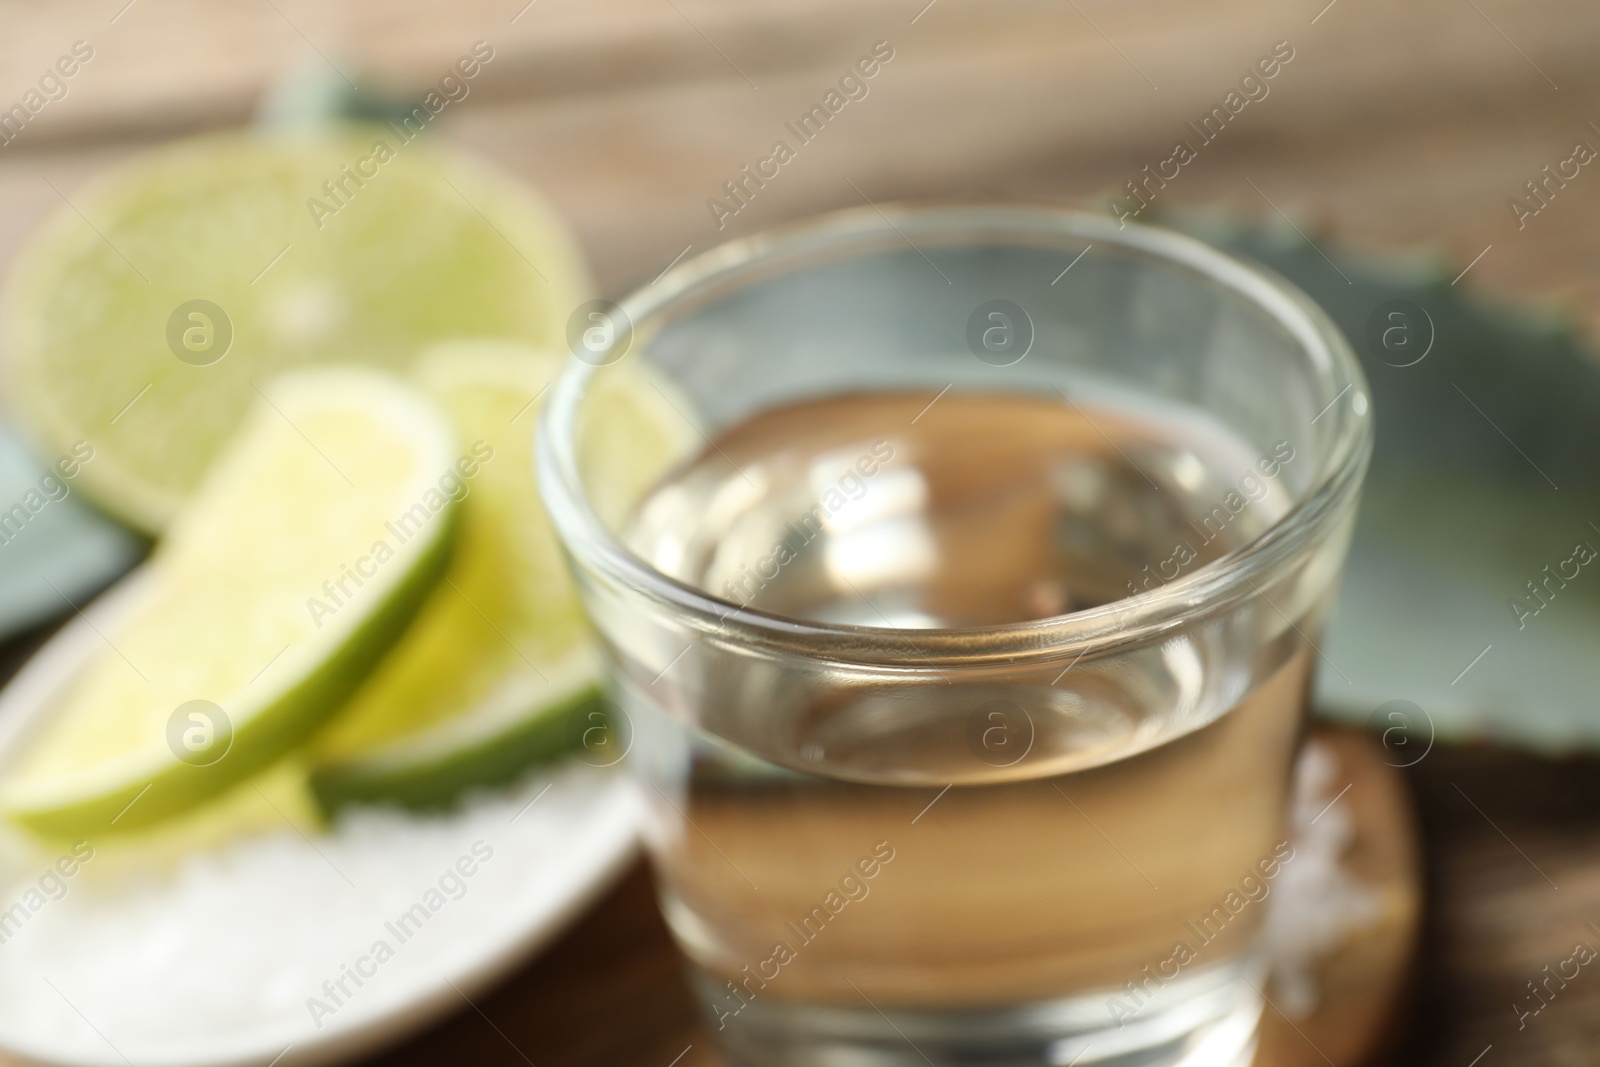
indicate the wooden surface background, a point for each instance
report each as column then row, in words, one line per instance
column 1397, row 126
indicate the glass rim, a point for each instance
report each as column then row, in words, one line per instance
column 1135, row 619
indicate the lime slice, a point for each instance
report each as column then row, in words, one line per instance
column 498, row 671
column 306, row 551
column 137, row 318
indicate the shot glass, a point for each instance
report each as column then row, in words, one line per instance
column 961, row 643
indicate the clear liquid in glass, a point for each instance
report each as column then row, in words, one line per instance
column 974, row 870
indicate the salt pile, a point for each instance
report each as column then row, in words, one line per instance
column 1319, row 903
column 275, row 939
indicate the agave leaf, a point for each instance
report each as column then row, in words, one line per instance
column 1485, row 478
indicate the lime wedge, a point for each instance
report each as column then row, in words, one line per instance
column 306, row 551
column 498, row 671
column 137, row 317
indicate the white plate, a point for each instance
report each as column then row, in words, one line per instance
column 214, row 960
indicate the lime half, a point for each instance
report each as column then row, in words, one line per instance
column 307, row 550
column 137, row 317
column 498, row 671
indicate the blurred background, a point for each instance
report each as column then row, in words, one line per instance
column 1404, row 153
column 1396, row 126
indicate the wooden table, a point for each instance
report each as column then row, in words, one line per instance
column 1395, row 126
column 1400, row 126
